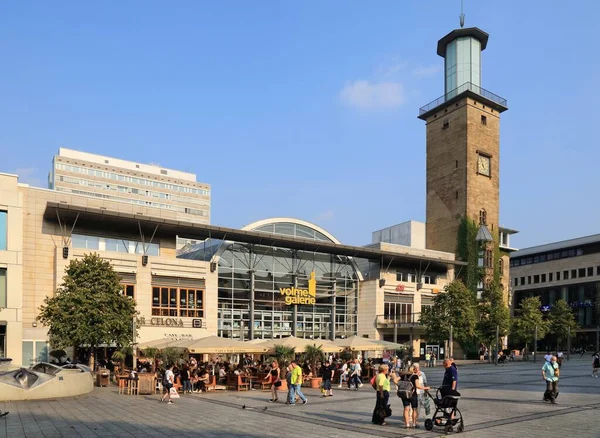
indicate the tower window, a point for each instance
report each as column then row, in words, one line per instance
column 489, row 258
column 484, row 120
column 446, row 124
column 457, row 198
column 456, row 164
column 482, row 217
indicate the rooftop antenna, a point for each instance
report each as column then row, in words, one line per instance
column 462, row 15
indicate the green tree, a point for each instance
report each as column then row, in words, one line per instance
column 455, row 307
column 284, row 355
column 89, row 308
column 314, row 354
column 561, row 319
column 492, row 315
column 527, row 317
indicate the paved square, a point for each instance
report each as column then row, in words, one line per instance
column 497, row 401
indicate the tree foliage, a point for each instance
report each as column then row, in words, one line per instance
column 527, row 317
column 492, row 315
column 561, row 319
column 314, row 354
column 467, row 251
column 454, row 307
column 284, row 354
column 89, row 308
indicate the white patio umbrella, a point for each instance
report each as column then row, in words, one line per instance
column 300, row 344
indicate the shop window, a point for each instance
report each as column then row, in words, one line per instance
column 176, row 302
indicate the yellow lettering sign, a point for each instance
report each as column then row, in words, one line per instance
column 295, row 295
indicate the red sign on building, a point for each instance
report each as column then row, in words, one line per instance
column 400, row 288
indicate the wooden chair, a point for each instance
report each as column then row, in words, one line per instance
column 122, row 381
column 236, row 382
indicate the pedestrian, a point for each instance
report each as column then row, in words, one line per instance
column 354, row 374
column 343, row 374
column 274, row 378
column 559, row 358
column 168, row 381
column 450, row 381
column 296, row 384
column 550, row 373
column 382, row 385
column 427, row 358
column 548, row 357
column 327, row 372
column 185, row 380
column 432, row 360
column 413, row 401
column 595, row 364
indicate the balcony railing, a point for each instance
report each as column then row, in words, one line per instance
column 403, row 320
column 467, row 86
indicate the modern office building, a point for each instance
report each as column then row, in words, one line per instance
column 567, row 270
column 147, row 185
column 273, row 278
column 463, row 151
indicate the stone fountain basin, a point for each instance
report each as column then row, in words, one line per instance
column 45, row 381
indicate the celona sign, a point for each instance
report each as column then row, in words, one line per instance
column 295, row 295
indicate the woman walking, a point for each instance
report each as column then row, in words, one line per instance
column 168, row 381
column 275, row 380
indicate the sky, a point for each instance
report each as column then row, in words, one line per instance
column 305, row 109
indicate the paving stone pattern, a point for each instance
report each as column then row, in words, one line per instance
column 498, row 401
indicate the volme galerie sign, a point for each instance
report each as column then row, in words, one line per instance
column 295, row 295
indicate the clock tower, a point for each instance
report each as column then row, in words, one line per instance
column 463, row 144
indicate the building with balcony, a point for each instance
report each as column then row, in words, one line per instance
column 567, row 270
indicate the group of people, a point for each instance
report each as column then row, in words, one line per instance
column 292, row 374
column 413, row 387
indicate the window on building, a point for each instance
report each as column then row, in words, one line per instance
column 177, row 302
column 399, row 312
column 3, row 230
column 3, row 288
column 550, row 276
column 489, row 259
column 129, row 290
column 411, row 278
column 114, row 245
column 573, row 273
column 597, row 270
column 558, row 276
column 522, row 281
column 543, row 278
column 516, row 281
column 590, row 271
column 501, row 266
column 565, row 275
column 484, row 120
column 399, row 276
column 482, row 217
column 529, row 279
column 581, row 272
column 536, row 279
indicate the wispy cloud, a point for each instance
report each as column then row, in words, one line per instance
column 29, row 175
column 426, row 71
column 325, row 216
column 365, row 94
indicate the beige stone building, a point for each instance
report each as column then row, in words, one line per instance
column 47, row 228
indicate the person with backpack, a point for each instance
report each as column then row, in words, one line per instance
column 381, row 384
column 407, row 391
column 595, row 364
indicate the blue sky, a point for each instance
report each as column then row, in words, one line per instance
column 305, row 109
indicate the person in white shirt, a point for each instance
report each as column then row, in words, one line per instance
column 168, row 382
column 548, row 357
column 344, row 374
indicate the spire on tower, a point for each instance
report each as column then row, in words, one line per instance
column 462, row 15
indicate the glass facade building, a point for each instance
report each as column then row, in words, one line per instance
column 254, row 281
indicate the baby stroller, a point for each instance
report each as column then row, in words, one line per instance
column 446, row 415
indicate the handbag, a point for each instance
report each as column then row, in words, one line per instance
column 277, row 384
column 173, row 393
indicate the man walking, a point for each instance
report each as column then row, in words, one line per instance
column 550, row 374
column 327, row 372
column 296, row 384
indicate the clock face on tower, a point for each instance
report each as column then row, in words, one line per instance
column 483, row 165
